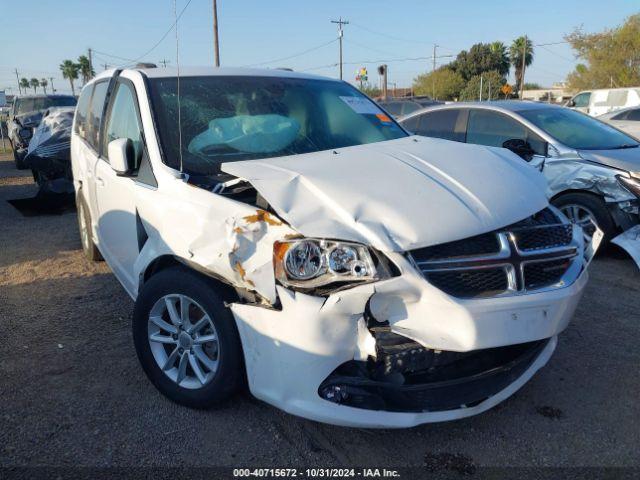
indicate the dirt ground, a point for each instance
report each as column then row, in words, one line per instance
column 72, row 392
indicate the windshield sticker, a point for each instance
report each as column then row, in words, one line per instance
column 383, row 118
column 361, row 105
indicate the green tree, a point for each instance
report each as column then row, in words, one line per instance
column 521, row 47
column 532, row 86
column 43, row 84
column 482, row 57
column 491, row 84
column 610, row 58
column 369, row 90
column 501, row 57
column 24, row 84
column 70, row 71
column 441, row 84
column 35, row 83
column 85, row 69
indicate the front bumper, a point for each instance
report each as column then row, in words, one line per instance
column 290, row 352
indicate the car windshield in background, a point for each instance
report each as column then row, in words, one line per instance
column 577, row 130
column 26, row 105
column 227, row 119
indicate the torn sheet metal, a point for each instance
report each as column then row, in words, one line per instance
column 630, row 242
column 564, row 174
column 401, row 183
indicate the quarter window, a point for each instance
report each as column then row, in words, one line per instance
column 95, row 114
column 123, row 121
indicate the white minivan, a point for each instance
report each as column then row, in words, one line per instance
column 280, row 230
column 599, row 102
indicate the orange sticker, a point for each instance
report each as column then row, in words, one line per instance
column 383, row 118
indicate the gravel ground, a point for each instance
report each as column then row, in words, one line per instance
column 72, row 393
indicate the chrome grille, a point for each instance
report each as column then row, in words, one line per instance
column 524, row 257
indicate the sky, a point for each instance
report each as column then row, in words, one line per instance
column 298, row 34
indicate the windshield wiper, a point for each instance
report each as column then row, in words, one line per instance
column 627, row 145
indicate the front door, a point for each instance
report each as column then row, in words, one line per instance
column 116, row 194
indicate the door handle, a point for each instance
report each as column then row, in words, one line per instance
column 99, row 182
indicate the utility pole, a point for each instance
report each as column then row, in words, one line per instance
column 216, row 45
column 340, row 35
column 480, row 87
column 433, row 69
column 53, row 90
column 105, row 65
column 18, row 80
column 90, row 64
column 164, row 62
column 524, row 65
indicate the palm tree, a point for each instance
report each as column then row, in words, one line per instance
column 499, row 51
column 85, row 69
column 43, row 84
column 35, row 83
column 521, row 47
column 24, row 84
column 70, row 71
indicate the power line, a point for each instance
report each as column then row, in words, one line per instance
column 294, row 55
column 155, row 45
column 557, row 54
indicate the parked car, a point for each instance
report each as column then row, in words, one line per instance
column 49, row 152
column 25, row 116
column 592, row 169
column 627, row 120
column 404, row 106
column 599, row 102
column 279, row 228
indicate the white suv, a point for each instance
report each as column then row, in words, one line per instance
column 282, row 230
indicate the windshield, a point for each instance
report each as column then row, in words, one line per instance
column 577, row 130
column 25, row 105
column 226, row 119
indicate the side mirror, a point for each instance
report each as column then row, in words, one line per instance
column 519, row 147
column 121, row 156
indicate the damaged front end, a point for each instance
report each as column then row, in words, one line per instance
column 450, row 331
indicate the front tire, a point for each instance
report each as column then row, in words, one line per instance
column 186, row 339
column 588, row 211
column 18, row 159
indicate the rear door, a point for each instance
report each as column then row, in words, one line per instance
column 116, row 195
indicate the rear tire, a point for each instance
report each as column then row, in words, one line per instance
column 86, row 231
column 576, row 204
column 213, row 370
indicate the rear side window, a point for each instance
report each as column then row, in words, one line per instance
column 82, row 112
column 617, row 98
column 447, row 124
column 95, row 114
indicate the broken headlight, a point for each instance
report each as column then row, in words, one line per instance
column 310, row 263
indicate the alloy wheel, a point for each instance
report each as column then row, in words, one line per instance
column 183, row 341
column 580, row 215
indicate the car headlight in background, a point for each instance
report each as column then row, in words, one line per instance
column 310, row 262
column 630, row 183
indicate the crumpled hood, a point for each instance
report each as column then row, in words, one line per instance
column 400, row 194
column 627, row 159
